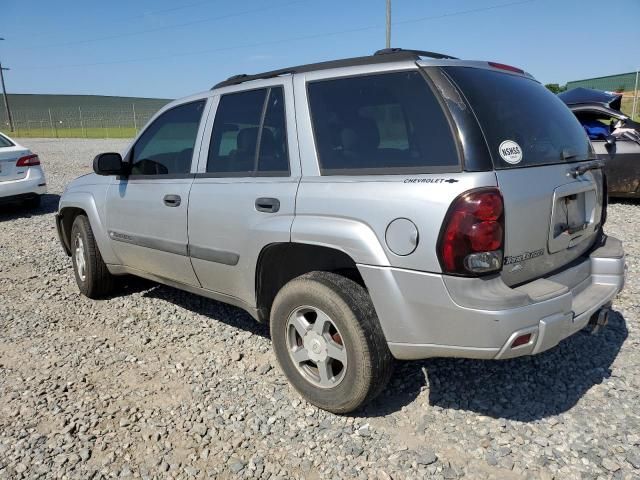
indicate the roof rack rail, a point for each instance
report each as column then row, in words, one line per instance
column 418, row 53
column 381, row 56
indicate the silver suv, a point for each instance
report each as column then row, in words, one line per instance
column 405, row 204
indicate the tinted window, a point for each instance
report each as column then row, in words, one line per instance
column 249, row 134
column 4, row 142
column 379, row 123
column 166, row 147
column 512, row 108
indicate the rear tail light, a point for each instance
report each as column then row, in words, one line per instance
column 509, row 68
column 28, row 161
column 472, row 238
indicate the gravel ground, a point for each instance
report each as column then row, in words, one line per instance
column 158, row 383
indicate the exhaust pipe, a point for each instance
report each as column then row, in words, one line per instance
column 600, row 318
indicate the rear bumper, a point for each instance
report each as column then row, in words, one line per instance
column 33, row 184
column 430, row 315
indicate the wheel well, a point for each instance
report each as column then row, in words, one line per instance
column 67, row 216
column 282, row 262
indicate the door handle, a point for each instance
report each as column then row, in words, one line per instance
column 267, row 205
column 172, row 200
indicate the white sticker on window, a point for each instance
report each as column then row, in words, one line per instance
column 510, row 152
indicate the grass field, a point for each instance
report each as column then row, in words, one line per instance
column 98, row 132
column 627, row 105
column 43, row 130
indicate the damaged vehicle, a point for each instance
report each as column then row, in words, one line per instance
column 406, row 204
column 614, row 136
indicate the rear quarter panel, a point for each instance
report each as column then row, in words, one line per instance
column 352, row 213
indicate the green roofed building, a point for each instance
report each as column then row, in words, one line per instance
column 623, row 82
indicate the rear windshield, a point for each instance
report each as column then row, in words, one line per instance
column 4, row 142
column 523, row 122
column 383, row 123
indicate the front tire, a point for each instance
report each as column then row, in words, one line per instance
column 328, row 341
column 92, row 276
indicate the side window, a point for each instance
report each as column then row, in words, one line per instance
column 166, row 147
column 383, row 123
column 249, row 135
column 597, row 125
column 4, row 142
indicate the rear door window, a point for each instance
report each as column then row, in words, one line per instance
column 384, row 123
column 249, row 135
column 524, row 123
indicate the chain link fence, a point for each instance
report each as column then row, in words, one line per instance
column 79, row 122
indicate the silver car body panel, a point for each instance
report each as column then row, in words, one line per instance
column 88, row 193
column 352, row 213
column 226, row 231
column 146, row 233
column 211, row 243
column 535, row 210
column 426, row 315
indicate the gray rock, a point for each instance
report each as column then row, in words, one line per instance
column 199, row 429
column 634, row 459
column 236, row 466
column 84, row 454
column 610, row 465
column 426, row 457
column 264, row 368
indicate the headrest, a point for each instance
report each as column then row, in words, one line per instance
column 247, row 139
column 361, row 135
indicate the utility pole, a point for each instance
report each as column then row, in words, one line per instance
column 4, row 94
column 635, row 95
column 388, row 24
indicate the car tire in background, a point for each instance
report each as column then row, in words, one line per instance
column 328, row 341
column 92, row 276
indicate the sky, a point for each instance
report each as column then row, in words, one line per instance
column 171, row 48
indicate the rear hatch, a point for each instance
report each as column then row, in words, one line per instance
column 552, row 212
column 9, row 156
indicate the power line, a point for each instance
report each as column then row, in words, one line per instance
column 126, row 19
column 285, row 40
column 465, row 12
column 159, row 29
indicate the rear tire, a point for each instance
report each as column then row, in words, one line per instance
column 92, row 276
column 328, row 341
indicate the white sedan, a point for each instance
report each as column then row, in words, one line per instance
column 21, row 175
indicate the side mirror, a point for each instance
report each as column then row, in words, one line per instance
column 109, row 164
column 610, row 141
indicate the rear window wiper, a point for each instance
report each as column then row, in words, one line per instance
column 582, row 169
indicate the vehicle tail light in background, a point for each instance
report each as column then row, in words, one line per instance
column 472, row 238
column 28, row 161
column 502, row 66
